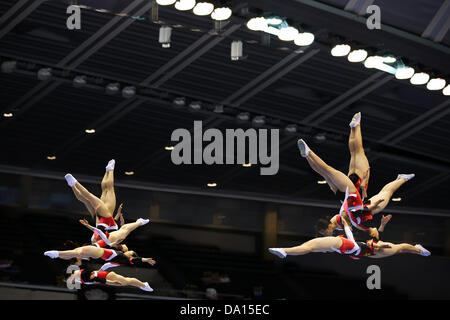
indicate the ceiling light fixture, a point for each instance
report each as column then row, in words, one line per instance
column 446, row 91
column 212, row 184
column 236, row 50
column 165, row 2
column 203, row 8
column 90, row 131
column 436, row 84
column 8, row 115
column 221, row 14
column 165, row 32
column 304, row 39
column 287, row 33
column 358, row 55
column 420, row 78
column 404, row 73
column 184, row 5
column 257, row 24
column 341, row 50
column 129, row 173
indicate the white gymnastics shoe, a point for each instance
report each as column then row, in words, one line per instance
column 147, row 287
column 356, row 120
column 280, row 253
column 424, row 252
column 303, row 147
column 143, row 221
column 406, row 176
column 71, row 181
column 111, row 164
column 52, row 254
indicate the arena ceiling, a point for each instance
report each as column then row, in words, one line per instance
column 406, row 128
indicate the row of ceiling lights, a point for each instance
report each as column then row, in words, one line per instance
column 392, row 65
column 280, row 28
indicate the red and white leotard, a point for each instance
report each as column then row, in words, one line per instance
column 348, row 247
column 107, row 223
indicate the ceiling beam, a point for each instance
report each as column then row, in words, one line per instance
column 5, row 27
column 358, row 6
column 428, row 184
column 417, row 124
column 127, row 106
column 278, row 75
column 351, row 96
column 196, row 55
column 439, row 25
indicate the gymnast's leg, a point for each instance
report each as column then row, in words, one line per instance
column 123, row 281
column 99, row 207
column 336, row 179
column 386, row 193
column 108, row 196
column 121, row 234
column 359, row 164
column 322, row 244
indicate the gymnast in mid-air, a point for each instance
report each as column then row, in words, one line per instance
column 114, row 238
column 360, row 210
column 112, row 257
column 348, row 246
column 90, row 276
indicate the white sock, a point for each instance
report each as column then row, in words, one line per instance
column 304, row 149
column 406, row 176
column 143, row 221
column 111, row 164
column 71, row 181
column 280, row 253
column 147, row 287
column 52, row 254
column 425, row 252
column 356, row 120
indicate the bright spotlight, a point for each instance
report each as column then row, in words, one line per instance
column 404, row 73
column 257, row 24
column 184, row 5
column 436, row 84
column 357, row 55
column 221, row 14
column 341, row 50
column 165, row 2
column 203, row 8
column 236, row 50
column 287, row 33
column 420, row 78
column 304, row 39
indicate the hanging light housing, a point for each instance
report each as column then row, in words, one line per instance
column 165, row 33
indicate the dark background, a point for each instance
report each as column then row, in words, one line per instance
column 196, row 229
